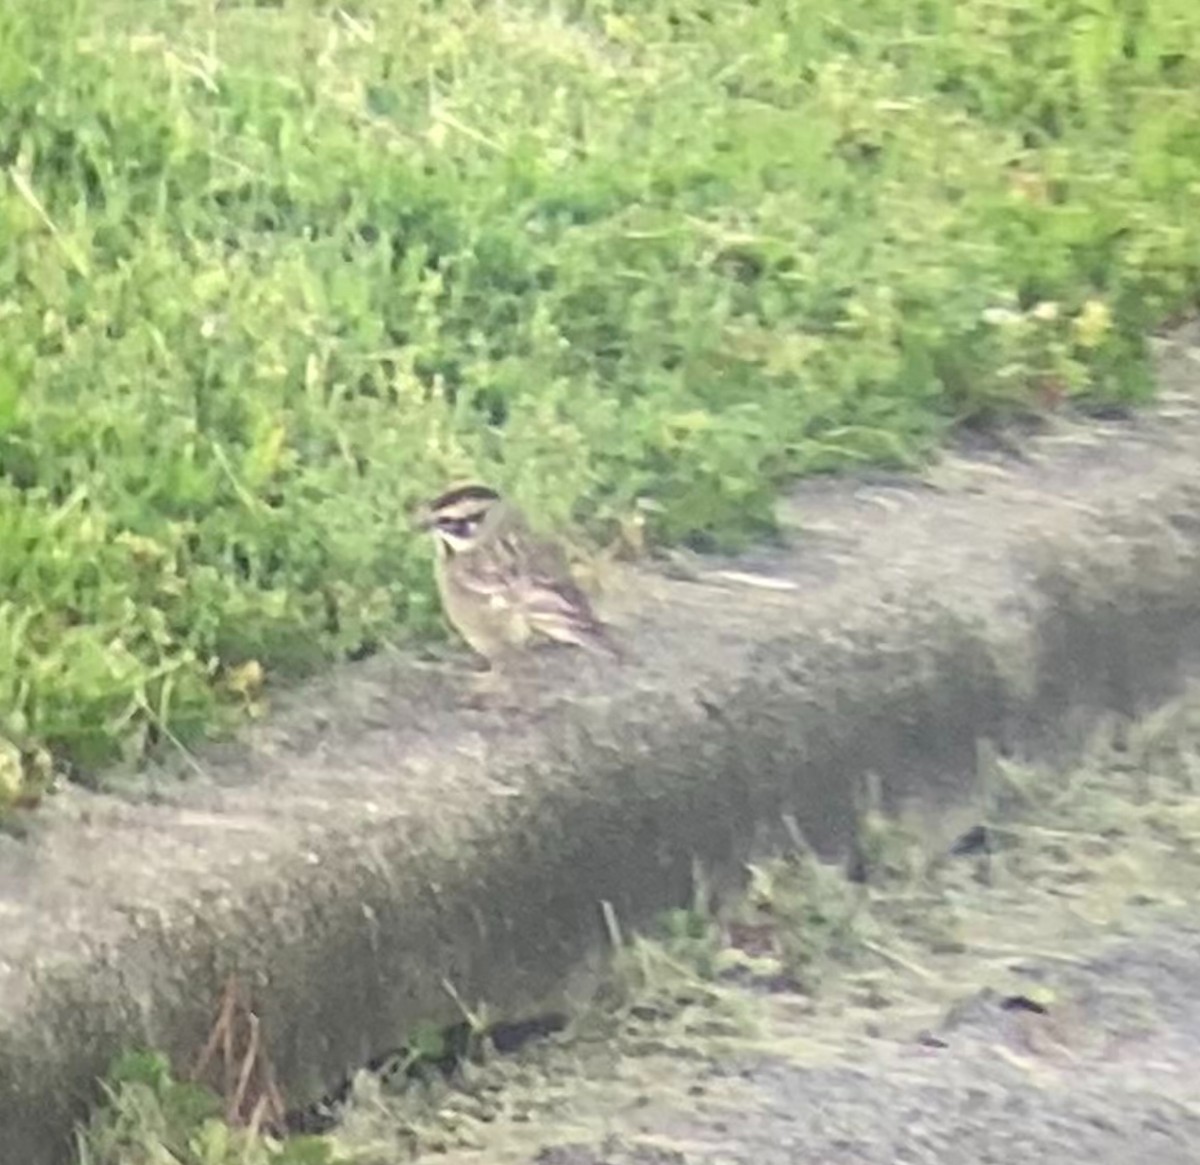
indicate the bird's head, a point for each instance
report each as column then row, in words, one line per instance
column 456, row 517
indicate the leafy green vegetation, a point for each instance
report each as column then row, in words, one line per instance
column 151, row 1118
column 269, row 272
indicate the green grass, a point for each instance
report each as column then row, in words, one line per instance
column 151, row 1118
column 269, row 273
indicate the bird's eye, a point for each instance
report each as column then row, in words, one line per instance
column 458, row 527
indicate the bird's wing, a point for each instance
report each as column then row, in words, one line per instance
column 556, row 598
column 515, row 567
column 558, row 608
column 500, row 565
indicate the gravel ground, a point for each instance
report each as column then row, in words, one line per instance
column 1009, row 1086
column 1037, row 1000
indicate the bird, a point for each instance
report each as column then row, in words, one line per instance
column 502, row 587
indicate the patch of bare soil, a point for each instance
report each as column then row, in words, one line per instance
column 1030, row 995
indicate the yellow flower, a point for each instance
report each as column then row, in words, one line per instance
column 1093, row 324
column 12, row 772
column 246, row 679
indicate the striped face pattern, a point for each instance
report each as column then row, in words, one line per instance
column 455, row 516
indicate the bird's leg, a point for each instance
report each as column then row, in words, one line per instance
column 495, row 687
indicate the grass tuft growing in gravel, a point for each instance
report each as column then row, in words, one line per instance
column 270, row 272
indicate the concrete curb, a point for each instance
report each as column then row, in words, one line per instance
column 378, row 841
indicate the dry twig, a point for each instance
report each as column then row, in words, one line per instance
column 247, row 1079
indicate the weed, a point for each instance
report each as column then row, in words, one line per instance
column 151, row 1118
